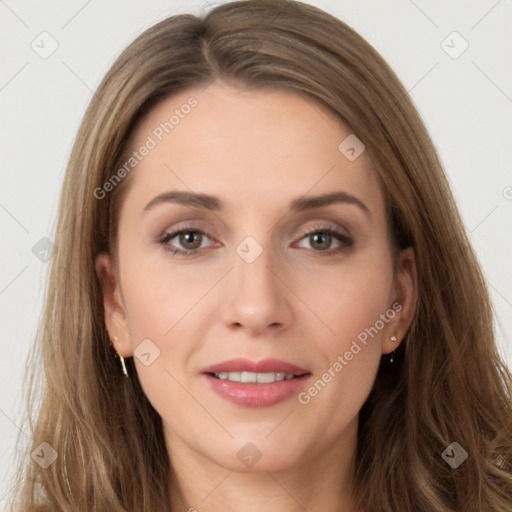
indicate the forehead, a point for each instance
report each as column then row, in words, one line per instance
column 251, row 148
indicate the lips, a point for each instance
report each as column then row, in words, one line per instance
column 249, row 393
column 263, row 366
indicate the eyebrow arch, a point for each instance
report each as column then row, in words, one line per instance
column 309, row 203
column 213, row 203
column 186, row 198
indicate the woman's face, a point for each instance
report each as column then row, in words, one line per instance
column 284, row 265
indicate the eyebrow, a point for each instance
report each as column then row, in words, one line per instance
column 209, row 202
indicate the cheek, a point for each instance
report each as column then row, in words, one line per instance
column 160, row 307
column 159, row 295
column 349, row 302
column 164, row 303
column 350, row 297
column 350, row 350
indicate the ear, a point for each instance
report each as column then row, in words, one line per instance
column 115, row 314
column 404, row 304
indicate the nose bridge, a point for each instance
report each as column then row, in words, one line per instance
column 251, row 271
column 251, row 265
column 256, row 299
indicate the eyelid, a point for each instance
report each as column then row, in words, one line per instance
column 326, row 226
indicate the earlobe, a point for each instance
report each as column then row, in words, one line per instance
column 405, row 299
column 114, row 311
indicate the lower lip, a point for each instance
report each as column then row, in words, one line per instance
column 256, row 395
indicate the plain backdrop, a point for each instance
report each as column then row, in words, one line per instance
column 463, row 94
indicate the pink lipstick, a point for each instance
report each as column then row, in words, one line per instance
column 256, row 383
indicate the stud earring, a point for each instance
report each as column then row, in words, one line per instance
column 391, row 359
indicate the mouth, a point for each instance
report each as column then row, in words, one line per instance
column 262, row 372
column 254, row 378
column 256, row 383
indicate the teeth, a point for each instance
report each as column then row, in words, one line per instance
column 266, row 377
column 250, row 377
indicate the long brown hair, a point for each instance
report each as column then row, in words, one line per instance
column 447, row 384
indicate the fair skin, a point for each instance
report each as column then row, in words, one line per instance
column 256, row 151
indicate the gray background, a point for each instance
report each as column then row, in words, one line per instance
column 466, row 103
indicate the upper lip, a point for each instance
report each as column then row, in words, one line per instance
column 263, row 366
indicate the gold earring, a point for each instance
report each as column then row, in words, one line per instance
column 121, row 358
column 125, row 371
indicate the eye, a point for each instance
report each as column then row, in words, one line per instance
column 189, row 238
column 190, row 241
column 321, row 239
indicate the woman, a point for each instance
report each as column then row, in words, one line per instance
column 263, row 295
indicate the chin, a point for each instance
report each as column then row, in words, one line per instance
column 251, row 454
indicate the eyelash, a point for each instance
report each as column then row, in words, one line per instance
column 344, row 239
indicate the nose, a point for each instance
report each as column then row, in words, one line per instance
column 257, row 296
